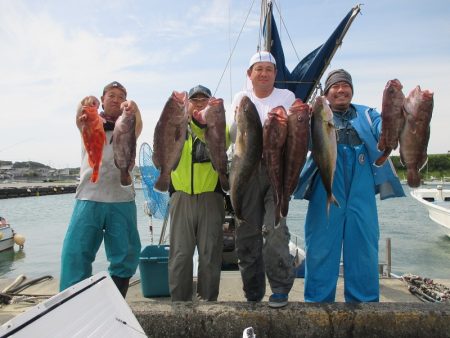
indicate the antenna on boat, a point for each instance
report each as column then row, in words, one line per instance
column 355, row 11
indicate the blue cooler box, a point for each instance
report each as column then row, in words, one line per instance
column 153, row 266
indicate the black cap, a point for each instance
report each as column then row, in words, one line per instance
column 199, row 89
column 112, row 85
column 338, row 75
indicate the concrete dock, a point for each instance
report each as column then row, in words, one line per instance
column 399, row 313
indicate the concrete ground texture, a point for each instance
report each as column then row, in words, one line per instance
column 399, row 313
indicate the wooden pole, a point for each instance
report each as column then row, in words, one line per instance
column 388, row 256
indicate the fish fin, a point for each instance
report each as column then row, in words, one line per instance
column 413, row 178
column 94, row 177
column 381, row 146
column 125, row 178
column 331, row 199
column 277, row 216
column 412, row 122
column 284, row 206
column 335, row 201
column 91, row 162
column 132, row 165
column 423, row 162
column 95, row 172
column 224, row 183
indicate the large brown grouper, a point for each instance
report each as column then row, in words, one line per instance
column 247, row 152
column 418, row 109
column 296, row 149
column 169, row 137
column 124, row 145
column 392, row 118
column 275, row 131
column 215, row 137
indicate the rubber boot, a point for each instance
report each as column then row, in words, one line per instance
column 122, row 284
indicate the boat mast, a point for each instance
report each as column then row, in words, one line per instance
column 266, row 11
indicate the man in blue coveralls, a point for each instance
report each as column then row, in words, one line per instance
column 352, row 227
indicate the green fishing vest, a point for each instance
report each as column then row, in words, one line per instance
column 195, row 174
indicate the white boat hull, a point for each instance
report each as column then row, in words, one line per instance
column 6, row 238
column 91, row 308
column 437, row 202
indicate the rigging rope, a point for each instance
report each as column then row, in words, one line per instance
column 287, row 32
column 234, row 47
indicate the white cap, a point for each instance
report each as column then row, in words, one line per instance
column 262, row 56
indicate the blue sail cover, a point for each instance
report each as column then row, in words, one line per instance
column 307, row 73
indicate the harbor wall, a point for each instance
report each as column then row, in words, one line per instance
column 30, row 191
column 229, row 319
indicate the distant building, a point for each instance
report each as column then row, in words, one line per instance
column 65, row 172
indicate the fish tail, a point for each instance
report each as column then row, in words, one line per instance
column 334, row 201
column 94, row 177
column 277, row 219
column 284, row 208
column 381, row 146
column 162, row 184
column 125, row 178
column 413, row 178
column 95, row 172
column 331, row 199
column 224, row 183
column 238, row 213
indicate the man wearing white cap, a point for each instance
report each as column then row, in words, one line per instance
column 255, row 258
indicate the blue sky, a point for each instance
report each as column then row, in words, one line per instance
column 56, row 52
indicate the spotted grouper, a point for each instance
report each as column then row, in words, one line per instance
column 392, row 118
column 324, row 145
column 247, row 152
column 169, row 137
column 275, row 131
column 418, row 109
column 124, row 145
column 296, row 149
column 215, row 137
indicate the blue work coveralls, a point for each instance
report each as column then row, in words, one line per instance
column 353, row 227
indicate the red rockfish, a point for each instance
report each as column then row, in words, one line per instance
column 94, row 138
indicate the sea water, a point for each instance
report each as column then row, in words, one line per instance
column 418, row 245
